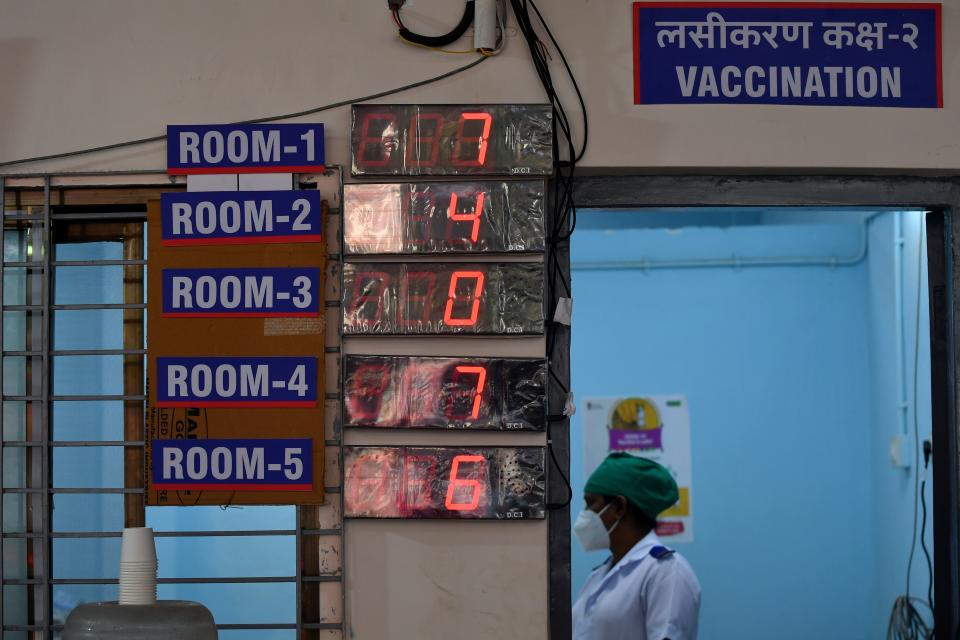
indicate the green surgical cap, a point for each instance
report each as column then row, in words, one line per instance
column 645, row 484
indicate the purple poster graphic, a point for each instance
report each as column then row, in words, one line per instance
column 623, row 440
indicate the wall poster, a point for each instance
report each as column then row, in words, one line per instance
column 654, row 427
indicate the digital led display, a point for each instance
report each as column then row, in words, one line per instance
column 494, row 483
column 388, row 298
column 443, row 217
column 444, row 393
column 422, row 140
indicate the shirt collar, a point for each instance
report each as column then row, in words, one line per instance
column 611, row 576
column 642, row 548
column 636, row 553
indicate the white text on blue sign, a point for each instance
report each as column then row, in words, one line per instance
column 232, row 217
column 267, row 381
column 233, row 465
column 244, row 148
column 291, row 292
column 864, row 54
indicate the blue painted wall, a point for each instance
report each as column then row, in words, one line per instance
column 799, row 517
column 893, row 489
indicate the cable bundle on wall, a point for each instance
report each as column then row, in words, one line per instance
column 562, row 205
column 485, row 15
column 567, row 155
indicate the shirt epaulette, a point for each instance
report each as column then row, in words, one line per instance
column 660, row 553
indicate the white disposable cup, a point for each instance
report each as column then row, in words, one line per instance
column 137, row 600
column 139, row 575
column 146, row 595
column 138, row 567
column 137, row 545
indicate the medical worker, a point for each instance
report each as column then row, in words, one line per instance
column 644, row 591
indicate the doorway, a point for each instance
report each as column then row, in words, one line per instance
column 801, row 338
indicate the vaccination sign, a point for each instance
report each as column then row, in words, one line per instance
column 799, row 53
column 654, row 427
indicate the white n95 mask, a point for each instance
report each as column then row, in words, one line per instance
column 591, row 532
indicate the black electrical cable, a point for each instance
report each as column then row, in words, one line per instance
column 556, row 464
column 906, row 622
column 563, row 207
column 437, row 41
column 923, row 543
column 916, row 419
column 285, row 116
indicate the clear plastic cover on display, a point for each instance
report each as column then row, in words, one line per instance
column 430, row 140
column 493, row 483
column 444, row 217
column 444, row 393
column 389, row 298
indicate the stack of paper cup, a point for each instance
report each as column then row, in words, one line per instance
column 138, row 567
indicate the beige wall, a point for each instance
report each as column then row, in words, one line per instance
column 84, row 73
column 80, row 73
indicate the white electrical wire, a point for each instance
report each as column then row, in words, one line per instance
column 906, row 622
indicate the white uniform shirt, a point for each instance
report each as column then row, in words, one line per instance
column 642, row 598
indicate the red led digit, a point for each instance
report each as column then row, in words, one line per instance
column 420, row 209
column 413, row 291
column 379, row 141
column 483, row 140
column 419, row 472
column 481, row 373
column 365, row 396
column 474, row 217
column 369, row 286
column 416, row 397
column 455, row 277
column 368, row 484
column 475, row 487
column 416, row 140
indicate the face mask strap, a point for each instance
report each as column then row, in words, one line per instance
column 615, row 524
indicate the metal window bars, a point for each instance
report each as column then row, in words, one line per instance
column 26, row 517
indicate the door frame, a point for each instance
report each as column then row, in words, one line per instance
column 941, row 198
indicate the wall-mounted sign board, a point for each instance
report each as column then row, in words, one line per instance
column 244, row 148
column 237, row 217
column 383, row 298
column 232, row 381
column 213, row 292
column 444, row 393
column 235, row 376
column 431, row 140
column 492, row 483
column 444, row 217
column 802, row 53
column 261, row 464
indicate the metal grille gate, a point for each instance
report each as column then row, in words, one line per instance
column 29, row 443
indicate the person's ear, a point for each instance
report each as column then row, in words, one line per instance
column 620, row 508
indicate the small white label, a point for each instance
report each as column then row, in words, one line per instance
column 569, row 408
column 564, row 311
